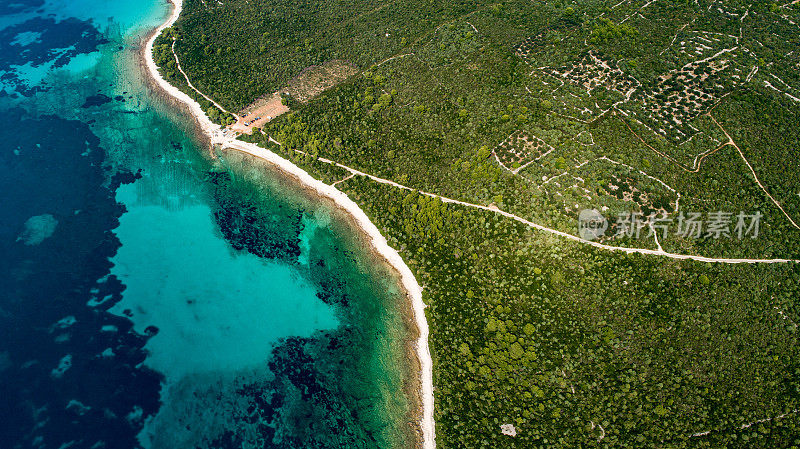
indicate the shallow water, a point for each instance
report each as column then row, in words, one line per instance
column 155, row 296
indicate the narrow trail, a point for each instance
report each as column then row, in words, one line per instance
column 747, row 425
column 391, row 59
column 698, row 159
column 753, row 172
column 350, row 176
column 256, row 151
column 178, row 63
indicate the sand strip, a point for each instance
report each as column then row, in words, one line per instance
column 380, row 244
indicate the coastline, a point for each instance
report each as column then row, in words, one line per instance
column 343, row 221
column 379, row 244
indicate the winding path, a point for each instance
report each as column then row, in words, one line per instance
column 178, row 63
column 257, row 151
column 752, row 171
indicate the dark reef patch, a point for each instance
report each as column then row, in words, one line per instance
column 270, row 230
column 323, row 393
column 19, row 6
column 306, row 405
column 96, row 100
column 308, row 392
column 55, row 42
column 98, row 394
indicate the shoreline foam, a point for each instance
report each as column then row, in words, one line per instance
column 378, row 242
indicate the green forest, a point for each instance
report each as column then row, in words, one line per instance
column 543, row 109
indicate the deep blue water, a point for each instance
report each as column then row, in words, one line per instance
column 155, row 296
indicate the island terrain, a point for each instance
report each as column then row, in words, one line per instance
column 593, row 206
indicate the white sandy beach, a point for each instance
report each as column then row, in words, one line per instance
column 197, row 111
column 342, row 200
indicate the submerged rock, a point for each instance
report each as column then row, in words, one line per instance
column 37, row 229
column 96, row 100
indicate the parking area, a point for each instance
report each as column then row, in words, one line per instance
column 259, row 114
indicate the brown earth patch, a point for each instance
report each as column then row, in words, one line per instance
column 259, row 113
column 313, row 80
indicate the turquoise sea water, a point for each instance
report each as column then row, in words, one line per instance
column 156, row 296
